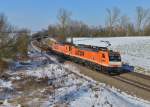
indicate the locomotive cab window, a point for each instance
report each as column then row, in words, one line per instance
column 103, row 55
column 114, row 57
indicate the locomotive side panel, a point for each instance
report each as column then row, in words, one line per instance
column 85, row 55
column 104, row 58
column 59, row 48
column 100, row 59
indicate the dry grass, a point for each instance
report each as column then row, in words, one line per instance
column 31, row 89
column 3, row 66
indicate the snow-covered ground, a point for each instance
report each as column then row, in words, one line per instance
column 74, row 91
column 101, row 95
column 5, row 84
column 134, row 50
column 63, row 88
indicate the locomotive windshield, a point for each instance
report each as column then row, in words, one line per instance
column 114, row 57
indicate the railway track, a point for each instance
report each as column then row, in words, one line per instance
column 133, row 82
column 128, row 85
column 141, row 81
column 140, row 75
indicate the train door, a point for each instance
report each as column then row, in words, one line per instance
column 104, row 58
column 68, row 49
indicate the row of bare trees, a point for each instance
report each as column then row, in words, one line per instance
column 117, row 24
column 122, row 24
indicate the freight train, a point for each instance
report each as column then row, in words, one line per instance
column 100, row 58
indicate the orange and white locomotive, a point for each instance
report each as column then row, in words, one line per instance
column 100, row 58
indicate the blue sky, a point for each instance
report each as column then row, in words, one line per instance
column 38, row 14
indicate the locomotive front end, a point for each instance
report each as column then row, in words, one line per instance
column 115, row 63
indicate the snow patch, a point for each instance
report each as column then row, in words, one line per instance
column 51, row 70
column 5, row 84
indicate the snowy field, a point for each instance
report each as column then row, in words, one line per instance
column 134, row 50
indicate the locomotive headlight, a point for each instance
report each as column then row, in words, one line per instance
column 115, row 64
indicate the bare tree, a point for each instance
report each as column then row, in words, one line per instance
column 4, row 30
column 6, row 42
column 112, row 20
column 5, row 33
column 78, row 28
column 124, row 23
column 64, row 18
column 142, row 17
column 22, row 42
column 52, row 30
